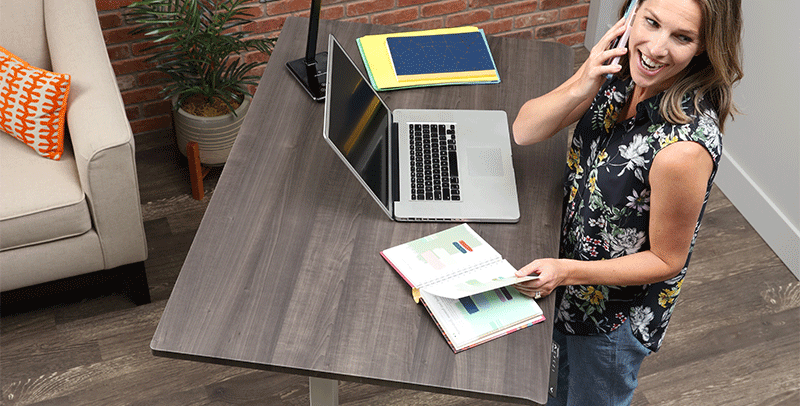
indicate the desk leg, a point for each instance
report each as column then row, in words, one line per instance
column 323, row 392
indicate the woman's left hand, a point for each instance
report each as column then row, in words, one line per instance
column 551, row 272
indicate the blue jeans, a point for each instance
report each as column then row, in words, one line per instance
column 599, row 369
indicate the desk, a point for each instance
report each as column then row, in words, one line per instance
column 285, row 274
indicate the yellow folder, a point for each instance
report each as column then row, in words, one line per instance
column 380, row 70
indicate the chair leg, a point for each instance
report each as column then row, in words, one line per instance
column 196, row 170
column 134, row 283
column 130, row 280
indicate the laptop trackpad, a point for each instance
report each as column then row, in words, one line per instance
column 485, row 162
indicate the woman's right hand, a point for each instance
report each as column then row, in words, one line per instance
column 591, row 75
column 540, row 118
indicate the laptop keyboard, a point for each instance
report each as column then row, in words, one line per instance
column 434, row 164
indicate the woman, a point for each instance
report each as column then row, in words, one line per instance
column 643, row 158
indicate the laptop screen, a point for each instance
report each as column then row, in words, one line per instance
column 357, row 124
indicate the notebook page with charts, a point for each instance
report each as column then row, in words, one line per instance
column 476, row 319
column 465, row 285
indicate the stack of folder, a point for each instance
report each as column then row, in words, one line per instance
column 447, row 56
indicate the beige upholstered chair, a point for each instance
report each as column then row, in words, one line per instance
column 81, row 214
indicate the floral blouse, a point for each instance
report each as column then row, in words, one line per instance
column 607, row 209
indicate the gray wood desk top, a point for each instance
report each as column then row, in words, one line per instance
column 285, row 274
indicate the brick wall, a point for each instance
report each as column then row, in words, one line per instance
column 554, row 20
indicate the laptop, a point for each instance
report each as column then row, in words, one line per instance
column 419, row 165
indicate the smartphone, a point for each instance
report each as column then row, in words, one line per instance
column 623, row 41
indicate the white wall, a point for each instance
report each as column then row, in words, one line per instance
column 602, row 15
column 760, row 170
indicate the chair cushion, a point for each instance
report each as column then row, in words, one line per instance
column 41, row 200
column 33, row 104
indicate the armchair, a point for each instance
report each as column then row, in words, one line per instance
column 82, row 213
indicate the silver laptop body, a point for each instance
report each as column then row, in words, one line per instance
column 374, row 143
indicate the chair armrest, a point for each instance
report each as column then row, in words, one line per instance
column 99, row 129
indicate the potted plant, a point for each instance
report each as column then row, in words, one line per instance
column 198, row 45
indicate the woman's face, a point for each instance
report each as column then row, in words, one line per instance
column 664, row 38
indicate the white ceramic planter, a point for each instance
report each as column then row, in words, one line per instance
column 213, row 135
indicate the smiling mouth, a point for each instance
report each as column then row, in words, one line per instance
column 649, row 64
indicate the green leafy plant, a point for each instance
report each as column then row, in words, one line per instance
column 198, row 45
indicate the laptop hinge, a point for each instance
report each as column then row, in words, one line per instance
column 395, row 161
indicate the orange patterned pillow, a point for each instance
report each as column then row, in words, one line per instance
column 33, row 104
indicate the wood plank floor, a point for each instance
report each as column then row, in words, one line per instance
column 734, row 338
